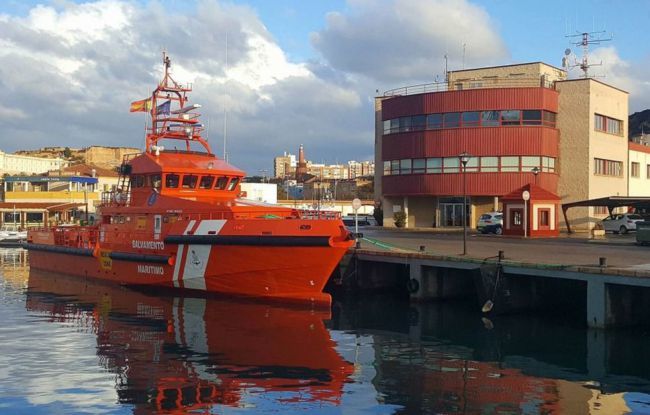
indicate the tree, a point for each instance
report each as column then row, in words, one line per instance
column 67, row 152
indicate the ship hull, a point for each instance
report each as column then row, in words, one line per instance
column 288, row 273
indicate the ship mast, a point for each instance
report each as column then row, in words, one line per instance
column 171, row 116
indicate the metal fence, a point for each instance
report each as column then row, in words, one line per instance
column 465, row 84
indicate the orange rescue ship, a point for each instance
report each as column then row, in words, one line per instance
column 176, row 220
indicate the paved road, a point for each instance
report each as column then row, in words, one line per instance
column 620, row 250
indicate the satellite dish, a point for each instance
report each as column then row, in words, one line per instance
column 567, row 51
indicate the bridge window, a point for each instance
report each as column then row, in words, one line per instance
column 137, row 181
column 156, row 181
column 221, row 183
column 206, row 182
column 171, row 181
column 189, row 181
column 233, row 183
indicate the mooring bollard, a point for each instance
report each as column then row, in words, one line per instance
column 500, row 255
column 602, row 261
column 358, row 244
column 422, row 248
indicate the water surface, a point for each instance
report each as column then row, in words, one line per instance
column 71, row 346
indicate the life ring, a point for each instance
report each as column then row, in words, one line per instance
column 413, row 286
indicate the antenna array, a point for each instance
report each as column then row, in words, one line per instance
column 585, row 39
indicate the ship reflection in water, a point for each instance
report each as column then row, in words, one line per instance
column 76, row 346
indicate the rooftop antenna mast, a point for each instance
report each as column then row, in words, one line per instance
column 586, row 39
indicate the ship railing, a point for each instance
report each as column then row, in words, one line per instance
column 319, row 214
column 74, row 236
column 115, row 198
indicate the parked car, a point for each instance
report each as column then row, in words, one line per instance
column 622, row 223
column 491, row 222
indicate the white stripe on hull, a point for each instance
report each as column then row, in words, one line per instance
column 179, row 255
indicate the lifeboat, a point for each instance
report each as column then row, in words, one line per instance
column 176, row 220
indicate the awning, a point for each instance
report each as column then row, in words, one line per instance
column 610, row 202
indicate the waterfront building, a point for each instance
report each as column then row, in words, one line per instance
column 520, row 124
column 23, row 164
column 39, row 200
column 284, row 166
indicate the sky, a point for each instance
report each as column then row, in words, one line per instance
column 291, row 72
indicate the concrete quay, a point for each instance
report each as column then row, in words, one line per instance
column 561, row 272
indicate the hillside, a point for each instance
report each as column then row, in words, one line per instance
column 639, row 121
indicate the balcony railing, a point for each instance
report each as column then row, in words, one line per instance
column 464, row 84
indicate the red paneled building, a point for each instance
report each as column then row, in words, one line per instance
column 503, row 117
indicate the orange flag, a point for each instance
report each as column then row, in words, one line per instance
column 141, row 106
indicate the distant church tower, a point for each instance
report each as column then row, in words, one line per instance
column 301, row 169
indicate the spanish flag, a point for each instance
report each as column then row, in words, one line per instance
column 141, row 106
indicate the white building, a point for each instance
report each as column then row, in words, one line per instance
column 18, row 164
column 261, row 192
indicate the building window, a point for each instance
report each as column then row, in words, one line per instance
column 405, row 166
column 472, row 165
column 511, row 117
column 394, row 167
column 451, row 165
column 635, row 169
column 451, row 119
column 489, row 164
column 434, row 121
column 394, row 125
column 434, row 165
column 604, row 167
column 509, row 164
column 608, row 125
column 549, row 118
column 528, row 163
column 418, row 122
column 647, row 171
column 532, row 117
column 386, row 168
column 600, row 210
column 471, row 119
column 404, row 124
column 489, row 118
column 419, row 166
column 599, row 122
column 387, row 126
column 548, row 164
column 614, row 126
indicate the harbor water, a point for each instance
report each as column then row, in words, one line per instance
column 73, row 346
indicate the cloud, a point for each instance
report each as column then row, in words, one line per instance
column 70, row 71
column 400, row 40
column 629, row 76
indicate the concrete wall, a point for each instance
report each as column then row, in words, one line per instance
column 613, row 103
column 527, row 72
column 379, row 163
column 422, row 211
column 639, row 186
column 580, row 144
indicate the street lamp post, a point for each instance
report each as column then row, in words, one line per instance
column 464, row 158
column 535, row 171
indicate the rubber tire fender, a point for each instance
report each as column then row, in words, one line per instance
column 413, row 286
